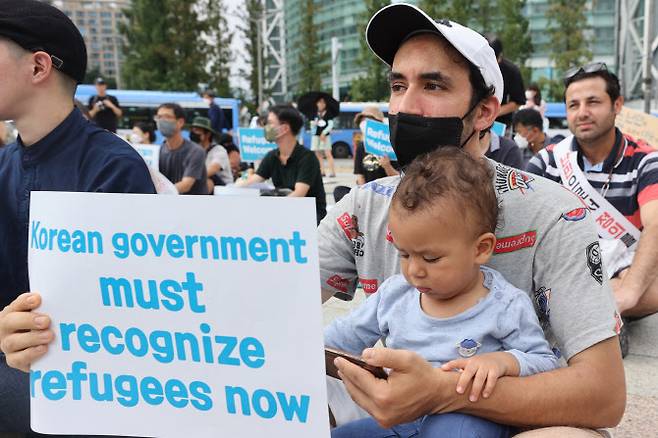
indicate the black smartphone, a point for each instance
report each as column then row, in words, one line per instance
column 331, row 353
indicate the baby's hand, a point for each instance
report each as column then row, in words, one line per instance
column 483, row 368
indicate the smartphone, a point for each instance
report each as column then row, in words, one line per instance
column 331, row 353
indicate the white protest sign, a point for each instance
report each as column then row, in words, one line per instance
column 169, row 324
column 150, row 153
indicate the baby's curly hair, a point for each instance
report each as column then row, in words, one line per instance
column 449, row 173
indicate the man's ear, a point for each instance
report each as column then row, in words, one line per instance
column 486, row 113
column 42, row 67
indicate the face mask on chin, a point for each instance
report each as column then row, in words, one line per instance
column 412, row 135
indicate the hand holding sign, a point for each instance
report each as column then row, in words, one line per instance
column 162, row 327
column 376, row 140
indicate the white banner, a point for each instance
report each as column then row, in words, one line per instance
column 169, row 324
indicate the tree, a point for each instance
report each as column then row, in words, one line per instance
column 163, row 46
column 374, row 85
column 219, row 54
column 513, row 31
column 569, row 46
column 95, row 72
column 311, row 59
column 460, row 11
column 251, row 19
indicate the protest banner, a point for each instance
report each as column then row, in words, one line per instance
column 150, row 153
column 169, row 324
column 252, row 143
column 639, row 125
column 376, row 140
column 498, row 129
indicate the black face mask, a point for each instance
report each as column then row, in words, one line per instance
column 195, row 137
column 412, row 136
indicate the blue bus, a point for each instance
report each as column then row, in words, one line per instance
column 140, row 105
column 345, row 134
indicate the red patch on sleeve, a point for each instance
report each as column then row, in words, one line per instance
column 515, row 243
column 369, row 286
column 338, row 283
column 345, row 222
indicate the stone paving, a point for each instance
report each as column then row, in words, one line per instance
column 641, row 365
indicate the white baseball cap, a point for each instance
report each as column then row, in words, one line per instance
column 394, row 24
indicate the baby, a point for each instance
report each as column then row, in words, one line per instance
column 447, row 306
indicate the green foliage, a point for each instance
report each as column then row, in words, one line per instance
column 165, row 47
column 311, row 60
column 501, row 17
column 219, row 52
column 374, row 85
column 552, row 89
column 94, row 73
column 566, row 28
column 250, row 17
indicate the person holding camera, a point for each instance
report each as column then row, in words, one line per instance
column 103, row 108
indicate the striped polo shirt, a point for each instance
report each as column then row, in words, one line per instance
column 634, row 180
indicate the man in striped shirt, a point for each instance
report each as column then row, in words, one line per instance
column 616, row 176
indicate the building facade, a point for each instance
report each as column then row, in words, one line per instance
column 336, row 18
column 98, row 22
column 339, row 18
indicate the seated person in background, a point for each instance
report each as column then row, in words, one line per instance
column 446, row 306
column 143, row 133
column 290, row 165
column 501, row 149
column 530, row 135
column 218, row 167
column 616, row 176
column 181, row 161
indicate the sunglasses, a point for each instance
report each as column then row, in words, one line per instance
column 589, row 68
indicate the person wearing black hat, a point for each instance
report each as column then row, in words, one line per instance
column 218, row 166
column 42, row 58
column 103, row 108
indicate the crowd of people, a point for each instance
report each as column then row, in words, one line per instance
column 470, row 263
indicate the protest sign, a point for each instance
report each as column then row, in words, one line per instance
column 639, row 125
column 169, row 324
column 150, row 153
column 376, row 140
column 499, row 129
column 253, row 146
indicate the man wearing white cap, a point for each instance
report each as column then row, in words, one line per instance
column 446, row 89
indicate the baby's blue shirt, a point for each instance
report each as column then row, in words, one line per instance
column 504, row 320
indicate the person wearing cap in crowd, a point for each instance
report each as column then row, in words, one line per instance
column 290, row 166
column 514, row 91
column 215, row 113
column 218, row 166
column 103, row 108
column 530, row 136
column 182, row 161
column 42, row 59
column 446, row 88
column 616, row 175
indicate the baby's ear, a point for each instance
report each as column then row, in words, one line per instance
column 484, row 247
